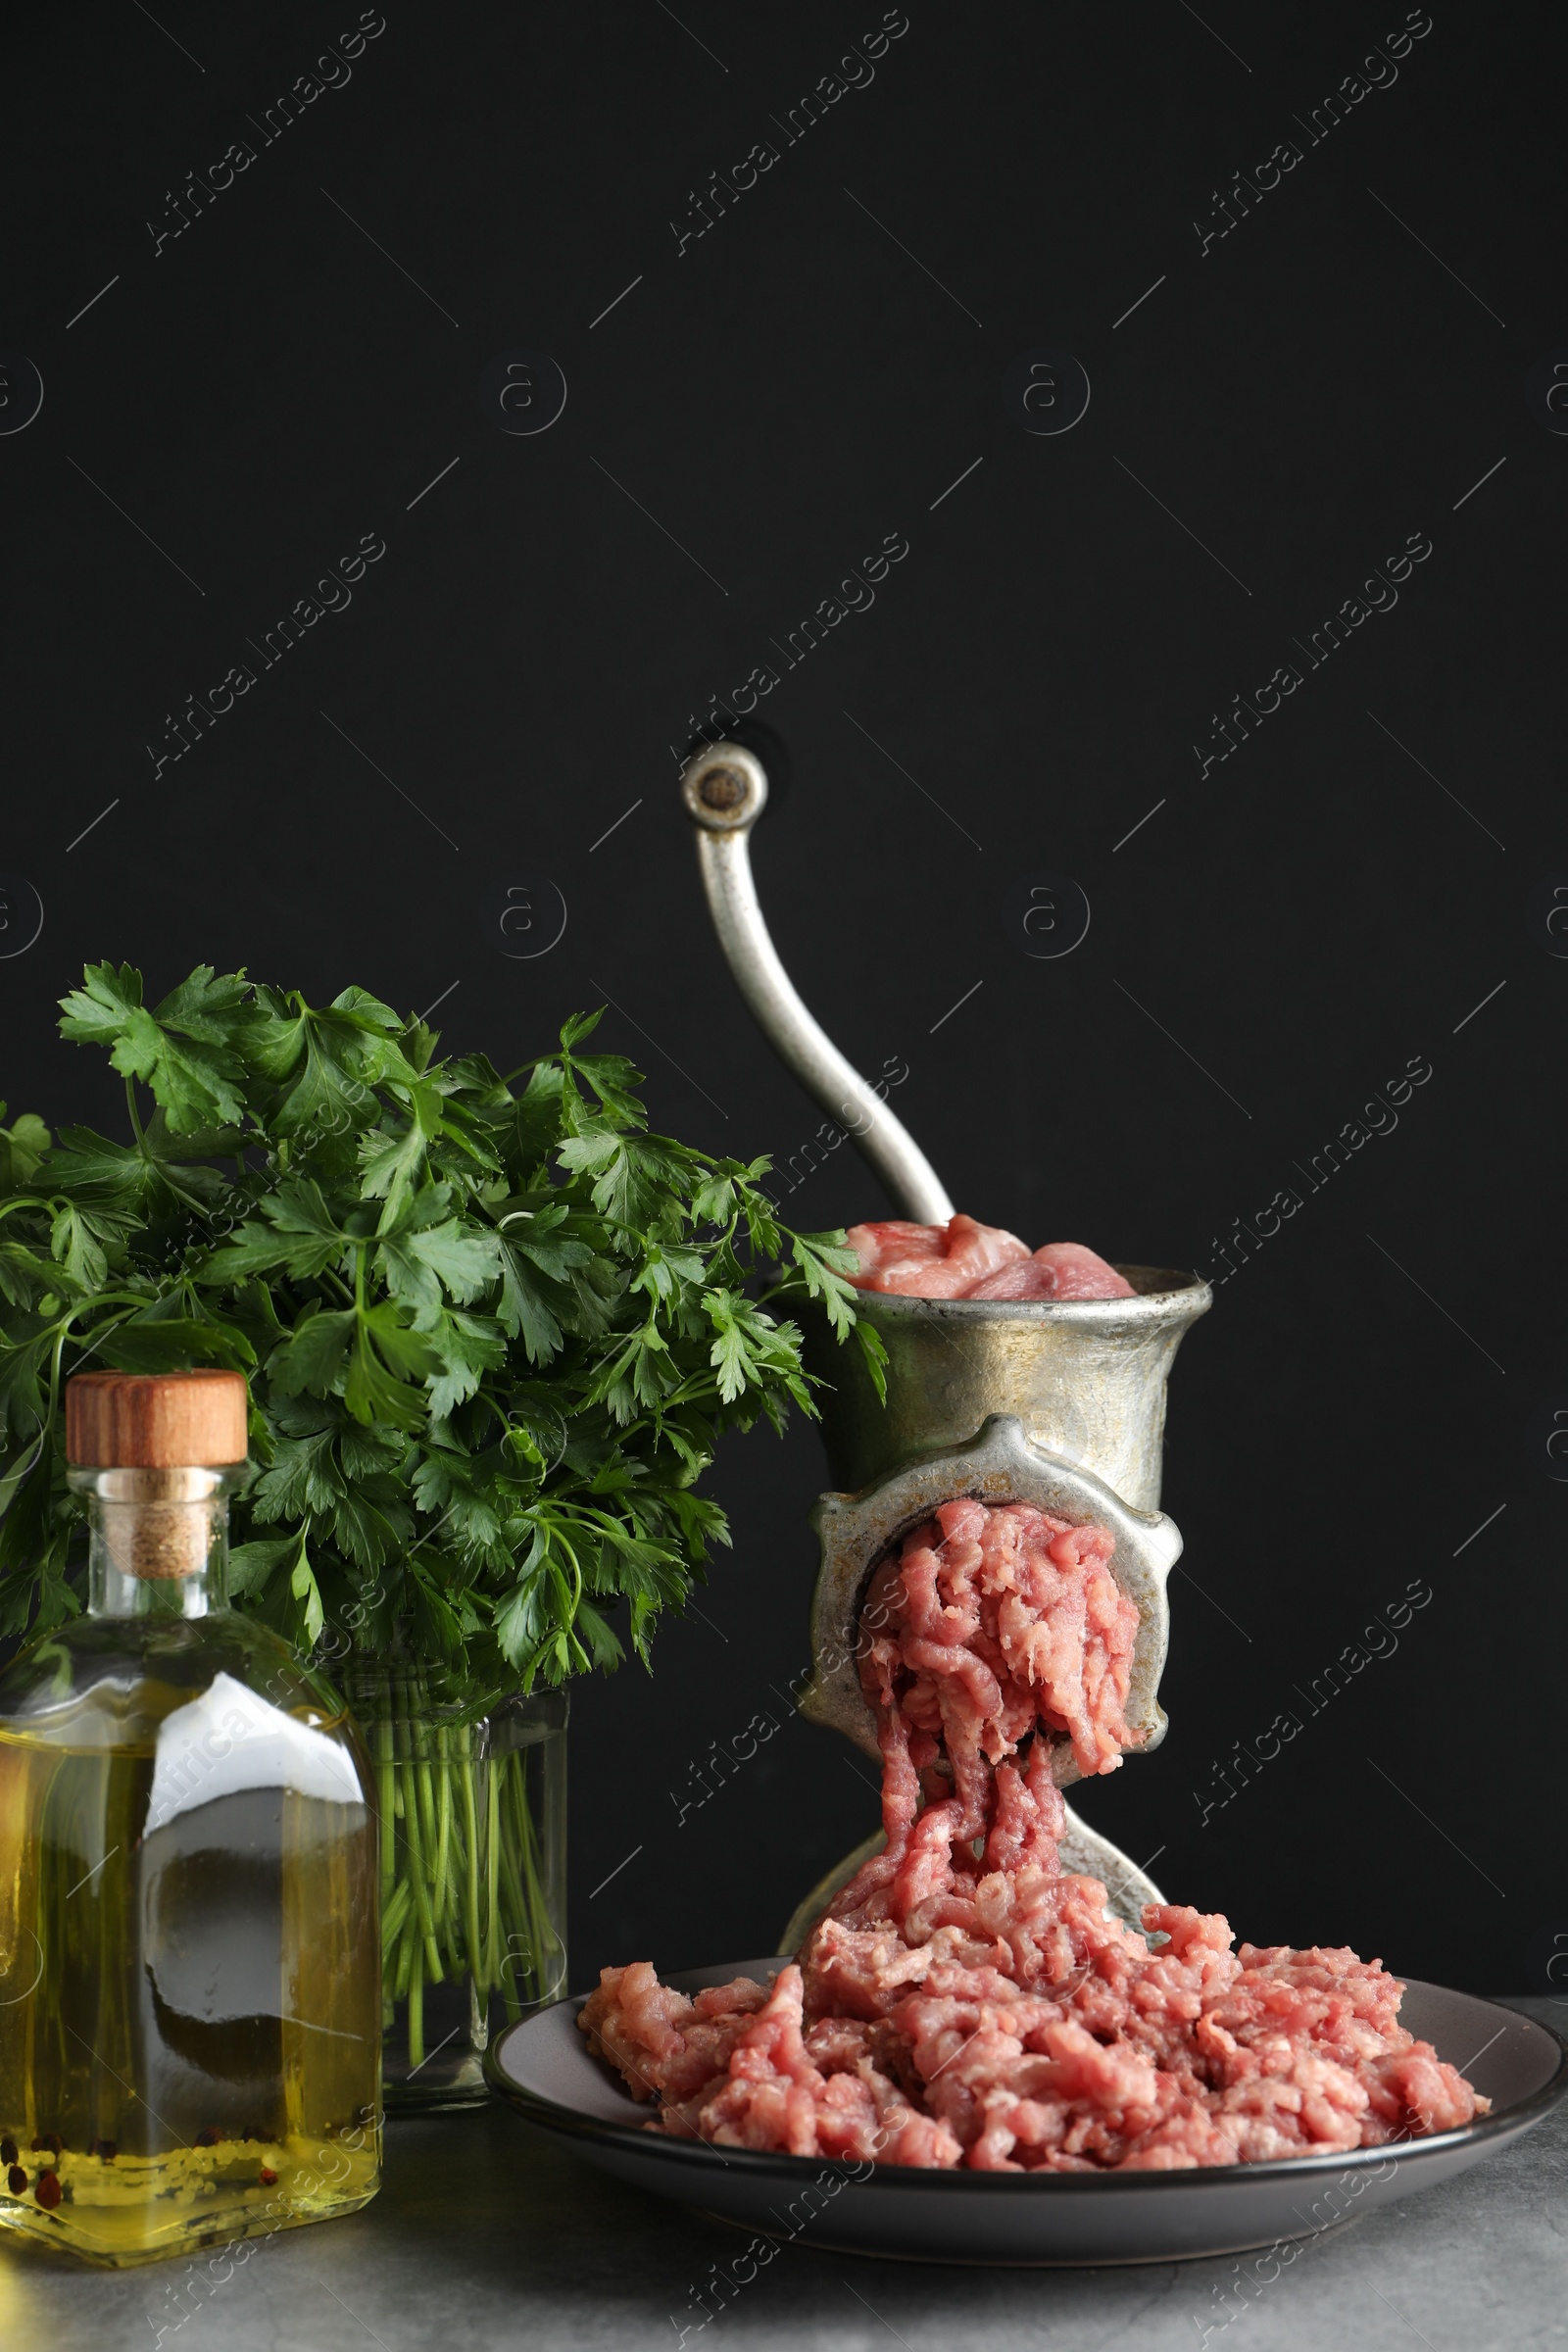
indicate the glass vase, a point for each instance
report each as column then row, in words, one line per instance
column 471, row 1790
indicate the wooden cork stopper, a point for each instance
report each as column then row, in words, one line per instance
column 155, row 1420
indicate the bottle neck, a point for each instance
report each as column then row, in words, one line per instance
column 158, row 1540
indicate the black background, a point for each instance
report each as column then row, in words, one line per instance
column 534, row 649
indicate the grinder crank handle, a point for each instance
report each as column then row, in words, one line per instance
column 725, row 791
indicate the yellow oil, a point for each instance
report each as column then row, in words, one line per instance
column 189, row 2018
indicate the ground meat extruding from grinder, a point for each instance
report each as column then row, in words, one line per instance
column 984, row 2009
column 965, row 1260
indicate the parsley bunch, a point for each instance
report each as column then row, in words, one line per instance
column 492, row 1337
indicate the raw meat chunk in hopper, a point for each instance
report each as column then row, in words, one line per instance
column 965, row 1260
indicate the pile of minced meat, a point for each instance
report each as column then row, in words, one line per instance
column 964, row 2002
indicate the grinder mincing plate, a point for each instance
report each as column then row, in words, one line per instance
column 1056, row 1403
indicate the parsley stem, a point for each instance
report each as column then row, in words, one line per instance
column 416, row 2013
column 520, row 1909
column 392, row 1916
column 470, row 1881
column 443, row 1831
column 31, row 1201
column 386, row 1776
column 408, row 1946
column 416, row 1843
column 492, row 1806
column 544, row 1942
column 427, row 1821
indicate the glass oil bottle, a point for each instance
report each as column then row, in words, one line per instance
column 189, row 1929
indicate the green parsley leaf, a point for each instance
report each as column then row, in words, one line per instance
column 178, row 1051
column 23, row 1146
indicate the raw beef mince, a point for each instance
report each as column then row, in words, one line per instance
column 965, row 1260
column 964, row 2002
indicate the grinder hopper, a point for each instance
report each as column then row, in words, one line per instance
column 1060, row 1403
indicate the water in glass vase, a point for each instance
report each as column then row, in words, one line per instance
column 472, row 1795
column 188, row 1899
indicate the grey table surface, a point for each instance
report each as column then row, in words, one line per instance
column 489, row 2232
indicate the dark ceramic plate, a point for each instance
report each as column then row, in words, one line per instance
column 542, row 2068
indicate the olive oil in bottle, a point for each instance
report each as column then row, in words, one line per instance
column 190, row 1930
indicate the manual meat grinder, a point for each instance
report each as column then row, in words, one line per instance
column 1058, row 1404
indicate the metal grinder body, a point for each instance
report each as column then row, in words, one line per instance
column 1060, row 1403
